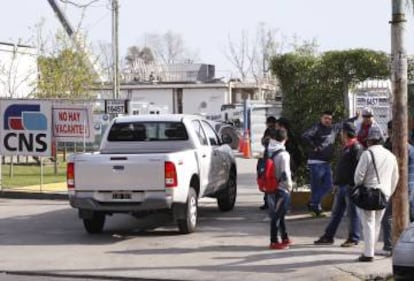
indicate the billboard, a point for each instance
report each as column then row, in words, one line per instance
column 73, row 123
column 25, row 128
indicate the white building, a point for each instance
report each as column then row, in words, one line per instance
column 18, row 70
column 191, row 98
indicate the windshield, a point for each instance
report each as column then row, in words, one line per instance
column 148, row 131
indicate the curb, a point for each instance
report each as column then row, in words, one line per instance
column 32, row 195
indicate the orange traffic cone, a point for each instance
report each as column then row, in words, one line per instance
column 241, row 143
column 246, row 146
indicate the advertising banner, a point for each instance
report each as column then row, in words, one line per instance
column 25, row 128
column 73, row 123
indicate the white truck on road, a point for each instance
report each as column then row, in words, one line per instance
column 153, row 163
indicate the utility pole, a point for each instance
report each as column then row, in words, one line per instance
column 400, row 118
column 115, row 49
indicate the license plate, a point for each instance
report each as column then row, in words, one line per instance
column 121, row 195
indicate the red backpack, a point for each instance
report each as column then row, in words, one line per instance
column 266, row 178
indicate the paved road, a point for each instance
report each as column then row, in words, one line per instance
column 45, row 237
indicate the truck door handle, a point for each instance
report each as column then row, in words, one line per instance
column 204, row 156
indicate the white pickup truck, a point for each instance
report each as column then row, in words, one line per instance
column 153, row 163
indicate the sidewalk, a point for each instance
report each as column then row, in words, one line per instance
column 50, row 191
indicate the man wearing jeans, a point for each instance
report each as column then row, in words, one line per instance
column 344, row 178
column 320, row 141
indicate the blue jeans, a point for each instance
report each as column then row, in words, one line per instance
column 386, row 224
column 278, row 204
column 342, row 202
column 321, row 183
column 411, row 200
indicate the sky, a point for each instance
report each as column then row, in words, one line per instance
column 206, row 25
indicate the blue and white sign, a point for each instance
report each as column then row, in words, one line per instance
column 25, row 128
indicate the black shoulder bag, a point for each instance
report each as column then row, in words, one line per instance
column 368, row 198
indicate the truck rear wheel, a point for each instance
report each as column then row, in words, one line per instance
column 94, row 224
column 227, row 198
column 189, row 222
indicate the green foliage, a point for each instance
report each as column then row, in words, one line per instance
column 312, row 83
column 355, row 65
column 65, row 75
column 27, row 175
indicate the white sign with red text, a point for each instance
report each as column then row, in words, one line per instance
column 73, row 123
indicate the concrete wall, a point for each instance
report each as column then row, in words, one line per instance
column 207, row 100
column 155, row 96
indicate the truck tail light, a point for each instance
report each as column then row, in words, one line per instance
column 70, row 175
column 170, row 175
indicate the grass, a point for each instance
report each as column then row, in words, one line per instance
column 29, row 174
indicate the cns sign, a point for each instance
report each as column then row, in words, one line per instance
column 25, row 128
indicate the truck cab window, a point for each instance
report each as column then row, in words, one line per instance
column 200, row 133
column 211, row 134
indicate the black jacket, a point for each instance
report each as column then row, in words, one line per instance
column 320, row 140
column 347, row 163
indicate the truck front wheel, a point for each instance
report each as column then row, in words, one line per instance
column 94, row 224
column 189, row 222
column 227, row 198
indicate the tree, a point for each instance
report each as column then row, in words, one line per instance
column 169, row 48
column 105, row 59
column 64, row 71
column 346, row 68
column 135, row 55
column 18, row 71
column 309, row 82
column 312, row 83
column 238, row 55
column 65, row 75
column 251, row 55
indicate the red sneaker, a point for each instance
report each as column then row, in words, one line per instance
column 278, row 246
column 287, row 241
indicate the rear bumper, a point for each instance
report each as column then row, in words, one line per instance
column 152, row 201
column 403, row 272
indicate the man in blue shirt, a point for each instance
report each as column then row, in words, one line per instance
column 320, row 144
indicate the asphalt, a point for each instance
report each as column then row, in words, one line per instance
column 380, row 269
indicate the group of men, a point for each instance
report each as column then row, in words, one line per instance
column 363, row 159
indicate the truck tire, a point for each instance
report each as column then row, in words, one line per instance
column 95, row 224
column 227, row 198
column 189, row 222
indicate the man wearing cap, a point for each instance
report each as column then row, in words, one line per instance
column 320, row 145
column 367, row 123
column 344, row 178
column 385, row 179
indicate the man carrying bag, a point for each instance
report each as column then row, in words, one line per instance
column 383, row 176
